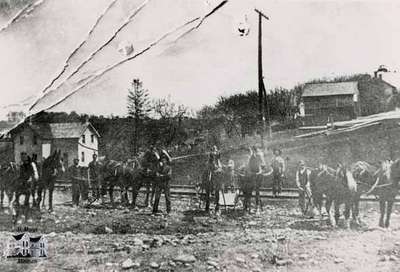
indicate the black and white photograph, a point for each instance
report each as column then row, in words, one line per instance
column 199, row 135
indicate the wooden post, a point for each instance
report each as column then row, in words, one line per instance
column 261, row 89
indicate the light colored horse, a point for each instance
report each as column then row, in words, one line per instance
column 383, row 182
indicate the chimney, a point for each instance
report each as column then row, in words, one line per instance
column 380, row 76
column 375, row 74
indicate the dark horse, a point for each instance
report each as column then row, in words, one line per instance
column 8, row 177
column 52, row 166
column 339, row 187
column 117, row 174
column 127, row 175
column 383, row 183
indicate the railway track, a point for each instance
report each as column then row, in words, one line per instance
column 190, row 190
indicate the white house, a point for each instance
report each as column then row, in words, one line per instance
column 38, row 246
column 19, row 245
column 23, row 245
column 75, row 140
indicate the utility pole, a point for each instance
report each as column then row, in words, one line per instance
column 261, row 88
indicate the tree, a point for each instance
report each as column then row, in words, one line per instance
column 138, row 109
column 170, row 117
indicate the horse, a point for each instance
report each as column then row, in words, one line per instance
column 127, row 175
column 117, row 174
column 383, row 183
column 52, row 166
column 338, row 186
column 8, row 176
column 212, row 182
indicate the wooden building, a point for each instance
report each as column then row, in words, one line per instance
column 340, row 101
column 75, row 140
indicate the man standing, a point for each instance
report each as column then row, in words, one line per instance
column 212, row 178
column 278, row 167
column 26, row 177
column 163, row 180
column 303, row 184
column 76, row 181
column 259, row 154
column 94, row 177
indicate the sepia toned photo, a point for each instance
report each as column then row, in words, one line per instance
column 199, row 135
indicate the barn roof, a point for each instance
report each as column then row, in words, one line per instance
column 331, row 88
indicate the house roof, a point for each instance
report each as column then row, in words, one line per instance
column 61, row 130
column 331, row 88
column 35, row 239
column 18, row 236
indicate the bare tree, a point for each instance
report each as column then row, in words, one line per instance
column 171, row 115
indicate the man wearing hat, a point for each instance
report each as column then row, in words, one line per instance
column 278, row 167
column 163, row 180
column 76, row 181
column 212, row 179
column 304, row 186
column 256, row 164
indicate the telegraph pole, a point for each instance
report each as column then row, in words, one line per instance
column 261, row 88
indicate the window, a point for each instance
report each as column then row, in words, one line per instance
column 83, row 138
column 92, row 138
column 83, row 157
column 21, row 140
column 34, row 139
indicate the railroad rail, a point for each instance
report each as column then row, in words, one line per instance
column 190, row 190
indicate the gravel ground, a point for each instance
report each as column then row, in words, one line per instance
column 278, row 239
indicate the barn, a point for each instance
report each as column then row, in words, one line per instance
column 340, row 101
column 75, row 140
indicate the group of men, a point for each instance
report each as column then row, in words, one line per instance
column 251, row 175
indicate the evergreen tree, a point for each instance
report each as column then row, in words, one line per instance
column 138, row 109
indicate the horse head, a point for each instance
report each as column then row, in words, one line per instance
column 344, row 175
column 54, row 164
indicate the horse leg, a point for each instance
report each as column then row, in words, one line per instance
column 135, row 191
column 126, row 198
column 356, row 211
column 111, row 194
column 153, row 190
column 328, row 205
column 27, row 207
column 337, row 211
column 33, row 194
column 51, row 190
column 146, row 201
column 382, row 208
column 39, row 195
column 44, row 197
column 388, row 212
column 348, row 207
column 1, row 197
column 11, row 200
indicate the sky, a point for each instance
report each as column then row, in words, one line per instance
column 303, row 40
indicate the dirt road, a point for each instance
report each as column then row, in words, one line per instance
column 100, row 239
